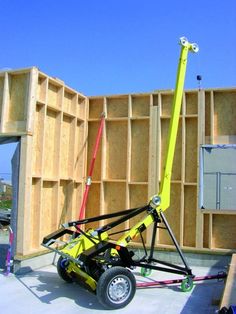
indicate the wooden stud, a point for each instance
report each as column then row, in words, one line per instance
column 201, row 141
column 153, row 143
column 24, row 196
column 205, row 230
column 207, row 117
column 35, row 214
column 5, row 102
column 128, row 164
column 183, row 147
column 30, row 100
column 212, row 118
column 103, row 162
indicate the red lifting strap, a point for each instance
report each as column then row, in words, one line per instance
column 91, row 167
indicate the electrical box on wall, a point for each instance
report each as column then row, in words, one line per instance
column 218, row 177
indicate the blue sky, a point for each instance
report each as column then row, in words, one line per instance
column 125, row 46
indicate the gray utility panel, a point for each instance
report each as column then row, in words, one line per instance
column 218, row 177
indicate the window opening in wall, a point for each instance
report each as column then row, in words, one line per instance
column 218, row 177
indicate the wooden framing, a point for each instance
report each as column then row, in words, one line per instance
column 50, row 118
column 140, row 124
column 58, row 126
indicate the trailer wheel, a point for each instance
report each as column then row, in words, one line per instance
column 62, row 264
column 116, row 287
column 187, row 284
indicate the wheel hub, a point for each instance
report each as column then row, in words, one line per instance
column 119, row 289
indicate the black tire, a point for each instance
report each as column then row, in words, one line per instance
column 61, row 269
column 116, row 287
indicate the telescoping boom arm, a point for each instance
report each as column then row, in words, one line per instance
column 160, row 202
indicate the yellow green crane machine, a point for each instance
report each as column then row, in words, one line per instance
column 105, row 265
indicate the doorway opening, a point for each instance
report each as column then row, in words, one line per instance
column 9, row 181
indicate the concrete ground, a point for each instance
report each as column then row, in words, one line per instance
column 42, row 291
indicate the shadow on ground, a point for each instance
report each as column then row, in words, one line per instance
column 206, row 295
column 48, row 286
column 3, row 254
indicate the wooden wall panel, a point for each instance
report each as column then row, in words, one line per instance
column 69, row 102
column 117, row 107
column 138, row 197
column 163, row 149
column 224, row 117
column 15, row 102
column 67, row 146
column 176, row 172
column 116, row 152
column 54, row 95
column 1, row 95
column 177, row 165
column 140, row 106
column 115, row 195
column 80, row 151
column 65, row 201
column 38, row 140
column 18, row 97
column 115, row 200
column 93, row 205
column 172, row 215
column 48, row 221
column 92, row 133
column 166, row 101
column 35, row 225
column 191, row 150
column 42, row 89
column 77, row 200
column 51, row 144
column 82, row 105
column 95, row 108
column 224, row 231
column 139, row 150
column 190, row 207
column 191, row 103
